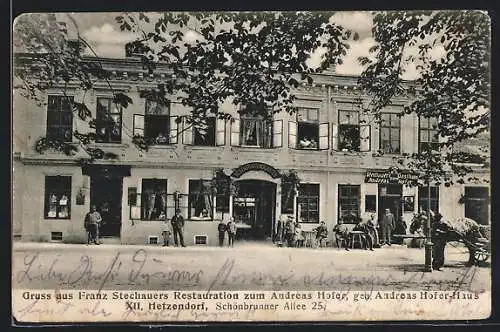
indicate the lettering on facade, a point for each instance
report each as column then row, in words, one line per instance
column 391, row 177
column 256, row 166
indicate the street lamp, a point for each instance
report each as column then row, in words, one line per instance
column 428, row 242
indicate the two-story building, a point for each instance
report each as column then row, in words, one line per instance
column 329, row 143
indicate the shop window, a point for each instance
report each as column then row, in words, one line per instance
column 423, row 200
column 200, row 201
column 349, row 197
column 477, row 204
column 351, row 135
column 428, row 134
column 255, row 130
column 370, row 203
column 390, row 129
column 308, row 203
column 57, row 197
column 153, row 199
column 60, row 118
column 108, row 121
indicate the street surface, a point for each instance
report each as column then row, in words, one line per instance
column 247, row 266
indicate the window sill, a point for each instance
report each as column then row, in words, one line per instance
column 55, row 219
column 255, row 148
column 108, row 145
column 202, row 147
column 200, row 220
column 162, row 147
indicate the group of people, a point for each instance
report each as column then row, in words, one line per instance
column 291, row 234
column 308, row 143
column 230, row 229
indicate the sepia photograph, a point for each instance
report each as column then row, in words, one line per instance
column 275, row 166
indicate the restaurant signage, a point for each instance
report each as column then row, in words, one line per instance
column 391, row 177
column 273, row 172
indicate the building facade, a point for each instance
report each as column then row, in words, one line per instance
column 329, row 144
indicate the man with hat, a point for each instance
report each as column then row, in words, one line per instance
column 177, row 227
column 439, row 231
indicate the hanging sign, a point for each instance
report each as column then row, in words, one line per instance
column 256, row 166
column 391, row 177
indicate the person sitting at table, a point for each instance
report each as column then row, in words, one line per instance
column 321, row 234
column 367, row 236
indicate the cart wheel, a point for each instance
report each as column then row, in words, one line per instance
column 481, row 256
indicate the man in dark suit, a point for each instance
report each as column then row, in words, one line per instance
column 387, row 225
column 177, row 227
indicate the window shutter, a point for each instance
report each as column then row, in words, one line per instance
column 173, row 130
column 292, row 134
column 365, row 138
column 187, row 133
column 324, row 135
column 235, row 132
column 277, row 133
column 138, row 125
column 220, row 127
column 335, row 136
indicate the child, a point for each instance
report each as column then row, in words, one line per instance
column 166, row 235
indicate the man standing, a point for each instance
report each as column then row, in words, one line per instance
column 374, row 224
column 177, row 227
column 387, row 225
column 92, row 222
column 222, row 232
column 439, row 232
column 231, row 231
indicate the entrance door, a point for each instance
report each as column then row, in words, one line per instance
column 254, row 209
column 389, row 198
column 106, row 195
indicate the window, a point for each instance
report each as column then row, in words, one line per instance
column 423, row 199
column 428, row 134
column 255, row 131
column 153, row 199
column 200, row 201
column 477, row 204
column 390, row 128
column 308, row 203
column 57, row 197
column 205, row 135
column 370, row 203
column 60, row 118
column 307, row 129
column 157, row 123
column 108, row 121
column 351, row 135
column 349, row 203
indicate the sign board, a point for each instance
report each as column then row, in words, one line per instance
column 390, row 177
column 273, row 172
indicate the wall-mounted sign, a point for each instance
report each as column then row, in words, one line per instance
column 273, row 172
column 390, row 177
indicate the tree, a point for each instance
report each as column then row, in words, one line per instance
column 254, row 59
column 453, row 88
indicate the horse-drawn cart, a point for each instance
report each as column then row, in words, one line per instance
column 481, row 247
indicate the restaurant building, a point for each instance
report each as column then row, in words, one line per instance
column 246, row 167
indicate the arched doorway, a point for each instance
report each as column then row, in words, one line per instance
column 254, row 209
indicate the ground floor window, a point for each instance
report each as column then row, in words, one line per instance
column 349, row 197
column 222, row 203
column 423, row 199
column 477, row 204
column 57, row 197
column 308, row 203
column 153, row 199
column 200, row 200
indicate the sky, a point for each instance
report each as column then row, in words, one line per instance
column 103, row 33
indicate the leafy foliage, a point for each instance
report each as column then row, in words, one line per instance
column 454, row 85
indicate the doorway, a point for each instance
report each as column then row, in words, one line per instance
column 106, row 195
column 389, row 197
column 254, row 209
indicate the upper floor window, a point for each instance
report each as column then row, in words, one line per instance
column 351, row 135
column 307, row 132
column 156, row 125
column 57, row 197
column 60, row 118
column 255, row 130
column 308, row 202
column 428, row 134
column 390, row 129
column 209, row 131
column 108, row 121
column 423, row 198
